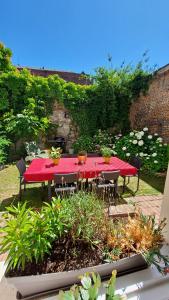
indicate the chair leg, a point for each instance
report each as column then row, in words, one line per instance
column 138, row 182
column 20, row 190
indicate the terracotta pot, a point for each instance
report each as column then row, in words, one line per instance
column 82, row 159
column 56, row 161
column 107, row 159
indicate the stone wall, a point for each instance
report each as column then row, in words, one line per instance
column 66, row 127
column 152, row 110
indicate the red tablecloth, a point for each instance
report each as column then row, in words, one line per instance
column 43, row 169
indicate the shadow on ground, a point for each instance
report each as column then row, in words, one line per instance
column 34, row 196
column 155, row 181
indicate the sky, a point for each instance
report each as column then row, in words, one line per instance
column 78, row 35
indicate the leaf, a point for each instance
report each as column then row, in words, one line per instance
column 86, row 282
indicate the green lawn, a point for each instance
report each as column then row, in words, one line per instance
column 9, row 187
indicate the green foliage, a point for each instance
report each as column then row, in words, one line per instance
column 29, row 234
column 106, row 103
column 5, row 59
column 55, row 153
column 103, row 138
column 32, row 148
column 90, row 288
column 84, row 143
column 106, row 151
column 4, row 149
column 86, row 217
column 149, row 147
column 26, row 101
column 25, row 125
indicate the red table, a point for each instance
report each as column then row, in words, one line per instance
column 43, row 169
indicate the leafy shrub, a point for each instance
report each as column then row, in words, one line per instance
column 4, row 149
column 29, row 234
column 103, row 138
column 83, row 143
column 149, row 147
column 86, row 217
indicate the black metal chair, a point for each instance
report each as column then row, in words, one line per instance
column 108, row 182
column 22, row 168
column 135, row 162
column 66, row 183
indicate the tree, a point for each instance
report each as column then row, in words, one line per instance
column 5, row 59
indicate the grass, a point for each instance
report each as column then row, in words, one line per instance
column 34, row 195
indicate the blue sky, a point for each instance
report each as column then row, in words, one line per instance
column 78, row 35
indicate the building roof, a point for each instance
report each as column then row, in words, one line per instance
column 78, row 78
column 163, row 69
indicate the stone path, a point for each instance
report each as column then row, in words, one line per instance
column 149, row 205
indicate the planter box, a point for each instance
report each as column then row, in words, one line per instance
column 38, row 284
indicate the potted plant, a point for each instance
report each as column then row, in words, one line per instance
column 82, row 156
column 55, row 154
column 106, row 153
column 51, row 248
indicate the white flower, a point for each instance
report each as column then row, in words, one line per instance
column 156, row 161
column 124, row 148
column 139, row 136
column 141, row 154
column 145, row 154
column 114, row 152
column 128, row 154
column 140, row 143
column 135, row 142
column 156, row 134
column 160, row 145
column 142, row 133
column 165, row 144
column 154, row 154
column 160, row 139
column 150, row 137
column 145, row 129
column 147, row 157
column 131, row 133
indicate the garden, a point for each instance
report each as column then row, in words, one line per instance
column 66, row 226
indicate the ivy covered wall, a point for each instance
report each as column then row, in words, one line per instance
column 26, row 101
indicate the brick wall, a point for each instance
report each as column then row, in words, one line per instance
column 152, row 110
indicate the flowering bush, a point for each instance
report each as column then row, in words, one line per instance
column 149, row 147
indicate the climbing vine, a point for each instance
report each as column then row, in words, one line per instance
column 102, row 105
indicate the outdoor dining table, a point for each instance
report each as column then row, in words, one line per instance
column 43, row 169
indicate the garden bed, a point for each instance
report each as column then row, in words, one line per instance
column 29, row 286
column 50, row 248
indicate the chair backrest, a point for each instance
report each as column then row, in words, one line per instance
column 136, row 162
column 110, row 175
column 67, row 155
column 65, row 178
column 21, row 166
